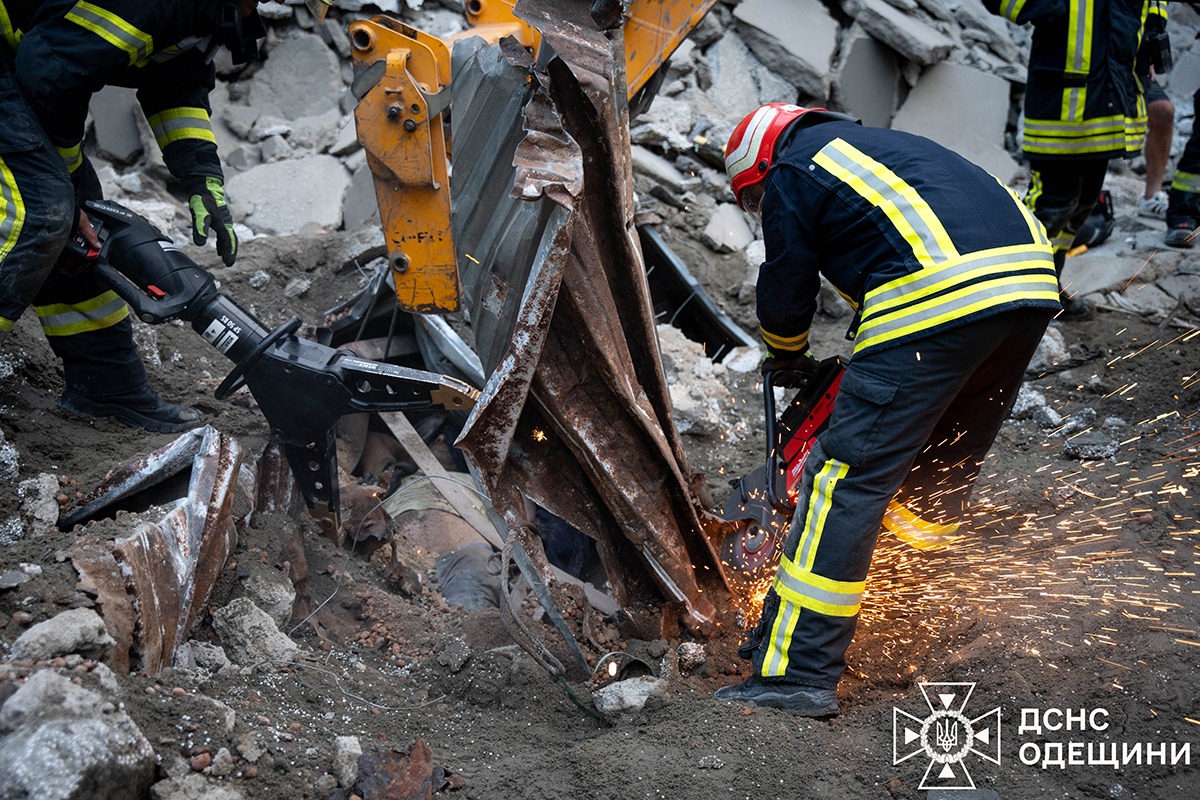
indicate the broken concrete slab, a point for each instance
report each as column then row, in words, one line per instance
column 114, row 111
column 964, row 110
column 797, row 38
column 360, row 207
column 732, row 70
column 996, row 31
column 866, row 78
column 301, row 78
column 1145, row 299
column 1098, row 271
column 628, row 695
column 249, row 636
column 660, row 169
column 39, row 502
column 346, row 752
column 293, row 196
column 193, row 786
column 727, row 230
column 904, row 33
column 78, row 630
column 63, row 741
column 1184, row 78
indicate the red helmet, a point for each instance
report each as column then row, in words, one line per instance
column 751, row 147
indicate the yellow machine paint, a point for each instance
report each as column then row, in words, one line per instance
column 401, row 126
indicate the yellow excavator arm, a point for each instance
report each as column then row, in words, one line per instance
column 403, row 87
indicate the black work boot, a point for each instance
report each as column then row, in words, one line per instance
column 806, row 701
column 141, row 408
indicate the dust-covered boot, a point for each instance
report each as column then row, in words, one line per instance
column 141, row 408
column 105, row 377
column 807, row 701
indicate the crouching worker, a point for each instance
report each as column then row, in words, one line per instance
column 953, row 282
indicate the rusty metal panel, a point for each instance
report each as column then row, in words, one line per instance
column 162, row 574
column 576, row 414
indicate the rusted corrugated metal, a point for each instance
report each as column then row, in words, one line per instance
column 162, row 574
column 576, row 414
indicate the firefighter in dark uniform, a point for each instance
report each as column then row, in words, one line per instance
column 953, row 283
column 54, row 55
column 1183, row 199
column 1083, row 106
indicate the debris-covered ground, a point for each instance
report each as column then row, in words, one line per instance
column 1074, row 592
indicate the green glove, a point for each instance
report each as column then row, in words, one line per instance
column 209, row 210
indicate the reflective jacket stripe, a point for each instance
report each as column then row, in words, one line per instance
column 824, row 595
column 781, row 344
column 1079, row 38
column 13, row 37
column 1186, row 182
column 71, row 156
column 176, row 124
column 114, row 30
column 1037, row 231
column 102, row 311
column 995, row 290
column 881, row 187
column 1011, row 9
column 12, row 210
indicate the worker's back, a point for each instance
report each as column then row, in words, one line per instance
column 915, row 234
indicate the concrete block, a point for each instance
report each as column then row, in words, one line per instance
column 1184, row 79
column 658, row 168
column 727, row 231
column 346, row 141
column 996, row 30
column 797, row 38
column 1142, row 298
column 114, row 118
column 962, row 109
column 1098, row 271
column 361, row 207
column 907, row 35
column 302, row 194
column 866, row 78
column 733, row 77
column 301, row 78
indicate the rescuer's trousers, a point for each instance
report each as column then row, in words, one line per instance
column 927, row 410
column 1062, row 193
column 85, row 322
column 1184, row 197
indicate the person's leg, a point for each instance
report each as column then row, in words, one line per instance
column 935, row 496
column 1160, row 130
column 1183, row 206
column 1061, row 195
column 36, row 203
column 887, row 408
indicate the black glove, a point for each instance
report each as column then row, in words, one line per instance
column 209, row 211
column 792, row 371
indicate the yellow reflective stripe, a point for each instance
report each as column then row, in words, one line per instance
column 13, row 37
column 1091, row 127
column 777, row 343
column 6, row 324
column 775, row 658
column 71, row 156
column 917, row 532
column 1037, row 231
column 904, row 207
column 1079, row 38
column 1063, row 241
column 12, row 210
column 975, row 267
column 176, row 124
column 819, row 503
column 1073, row 103
column 958, row 305
column 102, row 311
column 114, row 30
column 817, row 593
column 1011, row 9
column 1186, row 182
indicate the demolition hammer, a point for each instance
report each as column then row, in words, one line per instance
column 301, row 386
